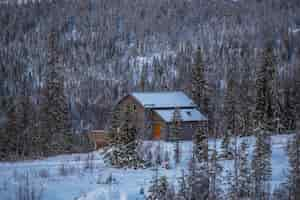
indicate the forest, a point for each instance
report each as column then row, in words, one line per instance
column 65, row 64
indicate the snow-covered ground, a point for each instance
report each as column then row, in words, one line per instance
column 84, row 176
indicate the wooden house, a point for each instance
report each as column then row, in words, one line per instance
column 155, row 110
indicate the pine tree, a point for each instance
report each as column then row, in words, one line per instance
column 123, row 151
column 287, row 117
column 201, row 145
column 160, row 189
column 230, row 116
column 198, row 180
column 200, row 88
column 199, row 84
column 11, row 130
column 55, row 113
column 176, row 132
column 261, row 164
column 215, row 179
column 26, row 127
column 265, row 96
column 244, row 172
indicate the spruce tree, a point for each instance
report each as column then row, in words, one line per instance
column 261, row 164
column 265, row 95
column 199, row 86
column 176, row 133
column 11, row 131
column 201, row 145
column 244, row 172
column 230, row 117
column 26, row 133
column 215, row 191
column 123, row 152
column 55, row 113
column 160, row 189
column 198, row 179
column 198, row 80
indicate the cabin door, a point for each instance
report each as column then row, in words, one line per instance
column 156, row 131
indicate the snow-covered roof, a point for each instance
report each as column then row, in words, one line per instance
column 187, row 115
column 163, row 99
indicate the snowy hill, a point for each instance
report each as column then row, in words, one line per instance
column 86, row 177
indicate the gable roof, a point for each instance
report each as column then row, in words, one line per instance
column 187, row 115
column 163, row 99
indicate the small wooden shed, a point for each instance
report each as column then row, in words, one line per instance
column 99, row 138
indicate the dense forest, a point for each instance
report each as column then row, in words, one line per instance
column 64, row 64
column 245, row 56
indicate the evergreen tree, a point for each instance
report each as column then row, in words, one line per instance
column 265, row 97
column 123, row 152
column 244, row 172
column 214, row 171
column 198, row 180
column 230, row 117
column 261, row 164
column 26, row 133
column 199, row 84
column 200, row 88
column 287, row 117
column 11, row 130
column 55, row 114
column 160, row 189
column 201, row 145
column 176, row 132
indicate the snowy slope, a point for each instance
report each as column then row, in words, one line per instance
column 83, row 177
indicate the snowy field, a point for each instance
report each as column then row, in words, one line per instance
column 85, row 176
